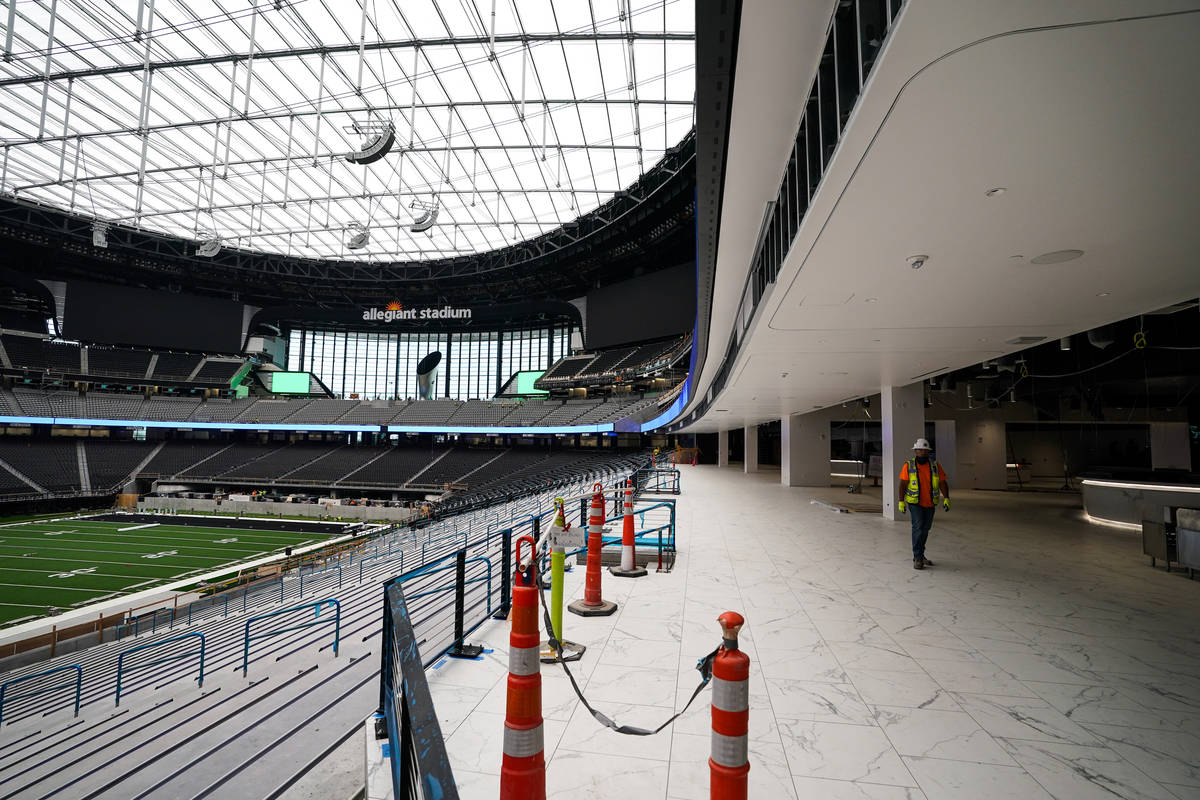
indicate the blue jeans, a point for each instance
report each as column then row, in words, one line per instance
column 922, row 521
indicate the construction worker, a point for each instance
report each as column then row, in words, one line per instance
column 921, row 480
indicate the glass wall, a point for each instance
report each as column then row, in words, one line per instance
column 383, row 365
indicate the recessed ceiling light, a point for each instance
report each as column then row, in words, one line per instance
column 1056, row 257
column 916, row 262
column 1017, row 256
column 871, row 300
column 999, row 190
column 1102, row 294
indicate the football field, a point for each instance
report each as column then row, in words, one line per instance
column 73, row 562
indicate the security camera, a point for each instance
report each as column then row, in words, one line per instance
column 916, row 262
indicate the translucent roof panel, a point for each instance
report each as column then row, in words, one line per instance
column 233, row 119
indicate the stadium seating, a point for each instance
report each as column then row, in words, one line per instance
column 271, row 410
column 218, row 371
column 169, row 408
column 395, row 468
column 427, row 412
column 321, row 411
column 178, row 456
column 111, row 463
column 456, row 466
column 170, row 739
column 51, row 463
column 373, row 413
column 219, row 410
column 231, row 457
column 118, row 362
column 280, row 462
column 481, row 412
column 333, row 467
column 175, row 366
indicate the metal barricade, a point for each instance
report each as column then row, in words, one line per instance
column 317, row 606
column 176, row 657
column 6, row 696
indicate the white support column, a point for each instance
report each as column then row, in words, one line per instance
column 750, row 461
column 1169, row 446
column 903, row 412
column 722, row 448
column 991, row 455
column 947, row 448
column 804, row 450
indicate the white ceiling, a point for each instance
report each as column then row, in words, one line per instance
column 1088, row 121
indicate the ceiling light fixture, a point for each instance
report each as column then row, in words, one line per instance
column 1056, row 257
column 1102, row 294
column 871, row 300
column 209, row 247
column 916, row 262
column 100, row 234
column 999, row 190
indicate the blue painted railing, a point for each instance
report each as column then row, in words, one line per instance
column 363, row 561
column 320, row 571
column 6, row 696
column 121, row 668
column 258, row 589
column 317, row 606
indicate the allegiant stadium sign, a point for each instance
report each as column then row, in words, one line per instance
column 395, row 312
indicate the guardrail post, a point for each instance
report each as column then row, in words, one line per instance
column 505, row 574
column 461, row 650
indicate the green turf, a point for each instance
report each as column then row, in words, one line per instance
column 71, row 562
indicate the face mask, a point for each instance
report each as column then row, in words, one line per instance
column 922, row 459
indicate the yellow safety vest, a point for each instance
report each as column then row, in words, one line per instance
column 912, row 496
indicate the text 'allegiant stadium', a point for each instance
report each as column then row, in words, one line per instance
column 393, row 315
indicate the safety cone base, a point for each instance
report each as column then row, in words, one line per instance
column 605, row 609
column 636, row 572
column 571, row 651
column 466, row 651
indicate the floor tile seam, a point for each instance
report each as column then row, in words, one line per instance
column 1120, row 758
column 741, row 600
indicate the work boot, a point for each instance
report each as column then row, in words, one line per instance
column 927, row 562
column 918, row 563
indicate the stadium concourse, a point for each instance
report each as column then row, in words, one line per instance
column 544, row 399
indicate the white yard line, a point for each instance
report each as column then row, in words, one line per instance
column 138, row 527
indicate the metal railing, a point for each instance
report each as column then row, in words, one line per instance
column 6, row 696
column 420, row 766
column 121, row 668
column 659, row 480
column 317, row 606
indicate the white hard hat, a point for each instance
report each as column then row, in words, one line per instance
column 921, row 444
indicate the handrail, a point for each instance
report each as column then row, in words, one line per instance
column 338, row 567
column 211, row 604
column 246, row 592
column 164, row 660
column 317, row 606
column 78, row 686
column 363, row 561
column 405, row 704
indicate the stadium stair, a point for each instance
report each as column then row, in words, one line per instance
column 85, row 478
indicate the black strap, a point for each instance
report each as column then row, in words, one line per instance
column 704, row 666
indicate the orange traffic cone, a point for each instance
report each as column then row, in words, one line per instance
column 593, row 604
column 523, row 771
column 629, row 567
column 729, row 765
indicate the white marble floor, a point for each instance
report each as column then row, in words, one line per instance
column 1042, row 657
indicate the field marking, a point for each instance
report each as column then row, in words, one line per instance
column 163, row 534
column 136, row 527
column 218, row 552
column 60, row 588
column 164, row 541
